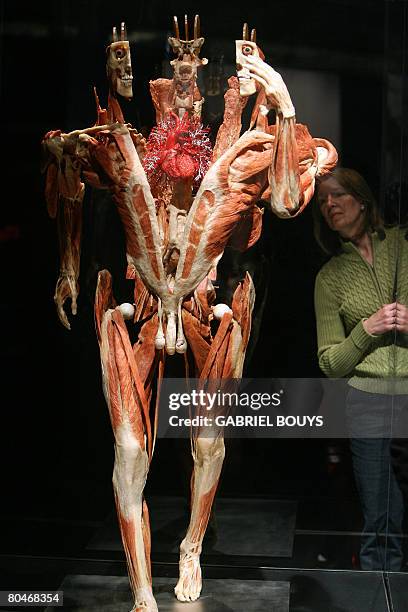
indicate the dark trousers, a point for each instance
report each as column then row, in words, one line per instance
column 399, row 460
column 375, row 416
column 399, row 449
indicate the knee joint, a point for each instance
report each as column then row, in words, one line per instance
column 209, row 450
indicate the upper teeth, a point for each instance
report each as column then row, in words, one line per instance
column 127, row 78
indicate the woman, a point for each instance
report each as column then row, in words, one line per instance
column 362, row 322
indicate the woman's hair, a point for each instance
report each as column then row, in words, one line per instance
column 354, row 184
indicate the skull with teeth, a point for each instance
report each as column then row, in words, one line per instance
column 243, row 49
column 119, row 66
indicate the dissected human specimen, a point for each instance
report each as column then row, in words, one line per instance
column 181, row 204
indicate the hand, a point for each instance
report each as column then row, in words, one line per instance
column 52, row 134
column 67, row 287
column 382, row 321
column 52, row 148
column 402, row 318
column 276, row 91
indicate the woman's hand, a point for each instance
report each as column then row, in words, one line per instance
column 402, row 318
column 385, row 319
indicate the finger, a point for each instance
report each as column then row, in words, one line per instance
column 254, row 59
column 256, row 71
column 259, row 79
column 272, row 80
column 52, row 134
column 259, row 70
column 62, row 316
column 88, row 140
column 262, row 69
column 389, row 310
column 74, row 305
column 389, row 322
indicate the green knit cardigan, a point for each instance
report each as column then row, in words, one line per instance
column 348, row 290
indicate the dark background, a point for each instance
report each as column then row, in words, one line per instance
column 56, row 438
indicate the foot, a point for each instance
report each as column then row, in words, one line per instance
column 189, row 585
column 144, row 601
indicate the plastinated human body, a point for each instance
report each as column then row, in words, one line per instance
column 181, row 204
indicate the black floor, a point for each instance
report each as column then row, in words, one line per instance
column 112, row 594
column 260, row 554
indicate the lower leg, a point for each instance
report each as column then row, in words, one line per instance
column 208, row 459
column 381, row 502
column 129, row 477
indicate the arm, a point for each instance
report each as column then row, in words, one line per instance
column 338, row 355
column 64, row 194
column 69, row 223
column 297, row 158
column 284, row 171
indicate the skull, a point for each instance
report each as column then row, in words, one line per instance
column 243, row 48
column 119, row 68
column 184, row 78
column 185, row 69
column 186, row 63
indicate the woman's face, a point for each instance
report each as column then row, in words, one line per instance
column 341, row 211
